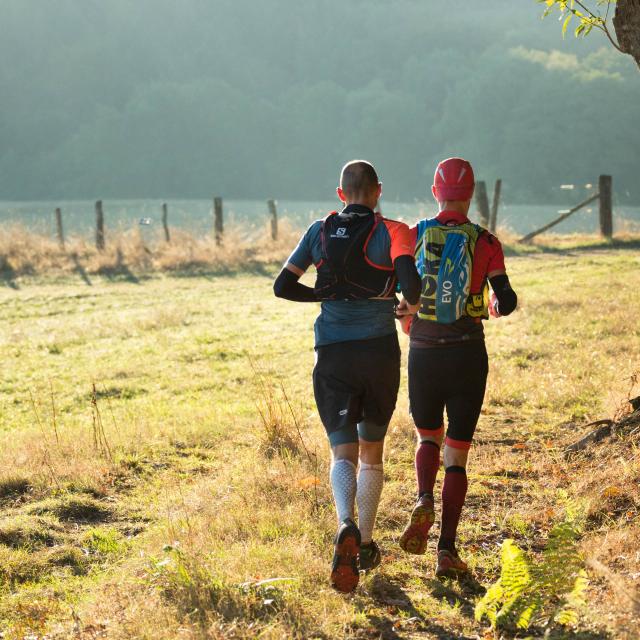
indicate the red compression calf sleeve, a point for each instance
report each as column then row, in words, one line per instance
column 454, row 491
column 427, row 463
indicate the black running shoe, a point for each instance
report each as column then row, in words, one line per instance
column 370, row 556
column 344, row 569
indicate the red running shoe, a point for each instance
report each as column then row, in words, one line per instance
column 449, row 565
column 344, row 569
column 414, row 537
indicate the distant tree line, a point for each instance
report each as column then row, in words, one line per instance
column 256, row 99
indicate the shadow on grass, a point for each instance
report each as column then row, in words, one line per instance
column 7, row 274
column 118, row 271
column 567, row 634
column 79, row 269
column 457, row 593
column 208, row 271
column 390, row 594
column 526, row 249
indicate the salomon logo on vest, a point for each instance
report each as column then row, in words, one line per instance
column 341, row 232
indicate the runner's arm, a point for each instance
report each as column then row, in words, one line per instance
column 507, row 300
column 408, row 278
column 403, row 242
column 287, row 286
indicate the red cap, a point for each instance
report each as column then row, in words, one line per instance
column 453, row 180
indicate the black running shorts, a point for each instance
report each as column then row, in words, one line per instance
column 356, row 387
column 452, row 378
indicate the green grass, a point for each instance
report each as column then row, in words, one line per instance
column 160, row 503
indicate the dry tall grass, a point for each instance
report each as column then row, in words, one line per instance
column 24, row 253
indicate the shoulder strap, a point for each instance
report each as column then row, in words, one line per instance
column 328, row 217
column 423, row 225
column 378, row 219
column 323, row 237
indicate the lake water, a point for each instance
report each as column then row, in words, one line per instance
column 196, row 215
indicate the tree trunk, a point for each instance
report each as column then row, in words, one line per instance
column 626, row 22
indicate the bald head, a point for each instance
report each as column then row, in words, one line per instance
column 359, row 182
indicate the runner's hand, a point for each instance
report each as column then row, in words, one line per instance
column 406, row 309
column 401, row 308
column 493, row 306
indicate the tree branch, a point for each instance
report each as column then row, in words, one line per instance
column 611, row 40
column 599, row 22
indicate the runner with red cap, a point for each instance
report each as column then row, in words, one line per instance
column 448, row 363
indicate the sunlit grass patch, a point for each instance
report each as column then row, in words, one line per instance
column 192, row 464
column 104, row 541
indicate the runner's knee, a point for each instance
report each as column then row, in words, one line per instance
column 430, row 435
column 455, row 456
column 373, row 432
column 371, row 452
column 348, row 451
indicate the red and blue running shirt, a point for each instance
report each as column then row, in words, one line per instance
column 488, row 260
column 346, row 320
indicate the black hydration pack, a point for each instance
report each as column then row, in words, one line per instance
column 344, row 271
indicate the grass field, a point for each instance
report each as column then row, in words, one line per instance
column 162, row 461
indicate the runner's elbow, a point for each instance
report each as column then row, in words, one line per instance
column 280, row 286
column 507, row 298
column 507, row 302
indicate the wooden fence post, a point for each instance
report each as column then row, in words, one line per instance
column 606, row 208
column 494, row 206
column 165, row 222
column 218, row 223
column 482, row 203
column 99, row 226
column 563, row 216
column 273, row 211
column 59, row 228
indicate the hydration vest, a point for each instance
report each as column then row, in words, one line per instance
column 444, row 259
column 345, row 272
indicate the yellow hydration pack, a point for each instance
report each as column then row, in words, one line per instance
column 444, row 259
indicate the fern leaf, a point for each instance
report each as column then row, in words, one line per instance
column 515, row 583
column 550, row 590
column 515, row 577
column 574, row 601
column 489, row 604
column 524, row 619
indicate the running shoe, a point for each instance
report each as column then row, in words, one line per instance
column 344, row 569
column 370, row 556
column 414, row 537
column 449, row 564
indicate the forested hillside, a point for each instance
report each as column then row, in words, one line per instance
column 156, row 98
